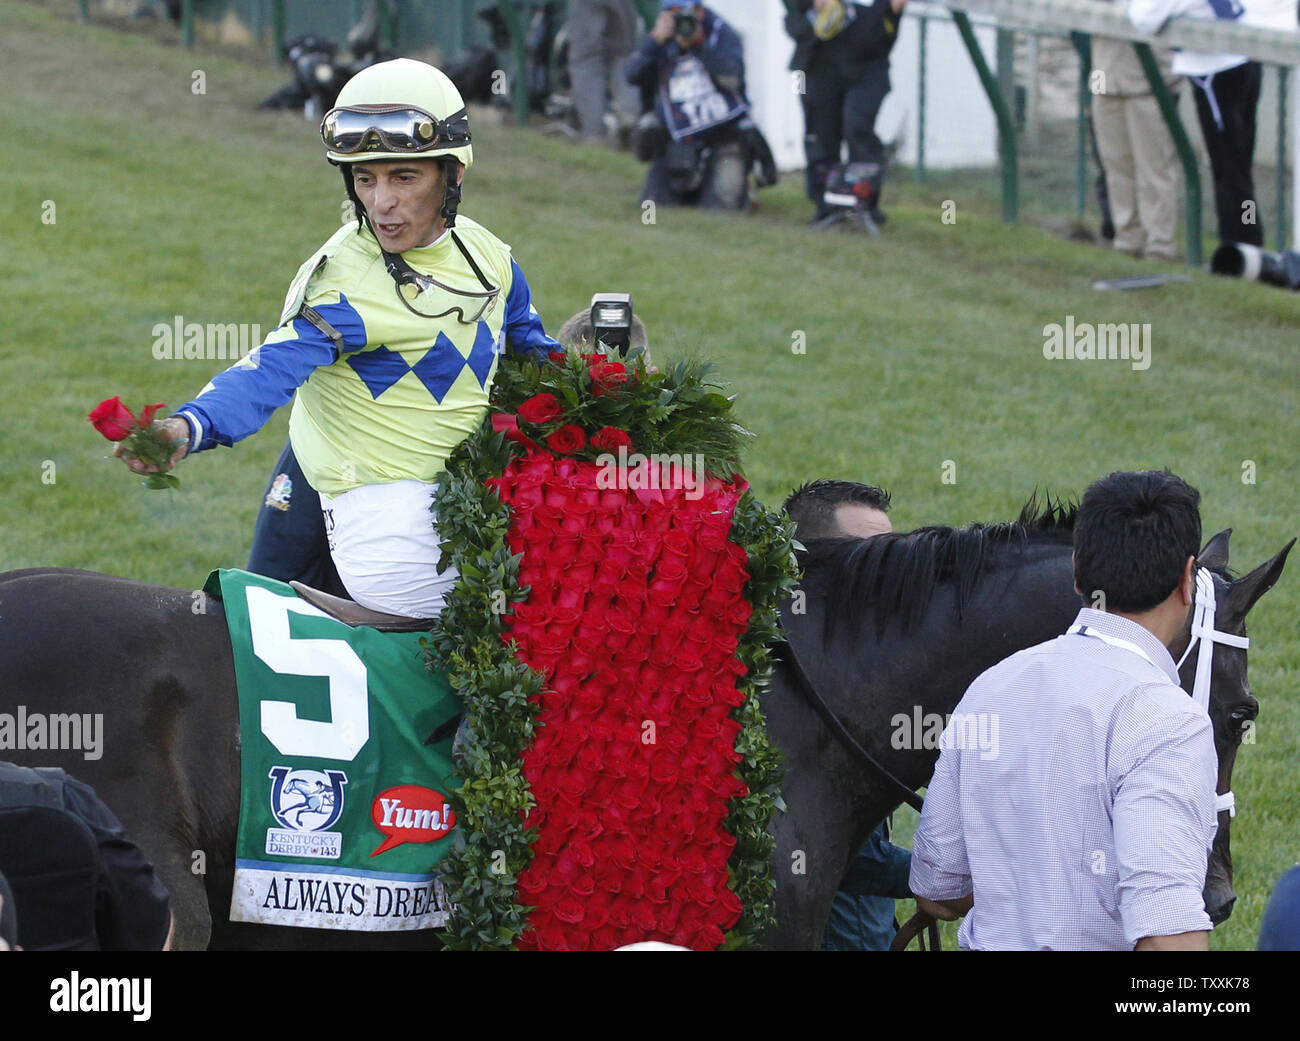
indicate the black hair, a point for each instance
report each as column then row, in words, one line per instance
column 350, row 185
column 1133, row 536
column 812, row 505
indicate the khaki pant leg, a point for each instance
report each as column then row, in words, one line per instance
column 1158, row 176
column 1113, row 145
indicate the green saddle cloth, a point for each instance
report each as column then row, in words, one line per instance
column 343, row 814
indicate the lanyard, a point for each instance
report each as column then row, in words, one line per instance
column 1114, row 641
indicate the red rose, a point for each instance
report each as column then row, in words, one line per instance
column 541, row 408
column 114, row 420
column 608, row 439
column 509, row 425
column 568, row 439
column 607, row 376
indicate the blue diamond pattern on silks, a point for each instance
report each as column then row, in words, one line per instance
column 440, row 367
column 379, row 369
column 483, row 353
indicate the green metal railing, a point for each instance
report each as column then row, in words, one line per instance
column 1083, row 47
column 1006, row 125
column 1062, row 18
column 649, row 11
column 1282, row 83
column 999, row 90
column 1191, row 172
column 519, row 50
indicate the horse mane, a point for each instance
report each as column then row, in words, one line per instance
column 897, row 573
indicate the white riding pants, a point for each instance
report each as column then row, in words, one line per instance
column 386, row 549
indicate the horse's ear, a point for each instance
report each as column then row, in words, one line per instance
column 1215, row 554
column 1246, row 590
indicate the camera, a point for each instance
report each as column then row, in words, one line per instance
column 611, row 320
column 686, row 24
column 1239, row 260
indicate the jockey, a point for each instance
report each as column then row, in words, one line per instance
column 389, row 335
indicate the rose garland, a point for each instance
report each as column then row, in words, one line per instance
column 559, row 844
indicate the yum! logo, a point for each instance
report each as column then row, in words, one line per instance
column 410, row 813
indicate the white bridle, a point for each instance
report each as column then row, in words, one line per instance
column 1204, row 631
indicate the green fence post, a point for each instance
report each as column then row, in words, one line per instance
column 277, row 30
column 1006, row 124
column 650, row 11
column 1004, row 57
column 920, row 105
column 83, row 11
column 519, row 46
column 1191, row 172
column 1083, row 47
column 388, row 14
column 1280, row 169
column 187, row 22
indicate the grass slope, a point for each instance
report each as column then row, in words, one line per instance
column 922, row 347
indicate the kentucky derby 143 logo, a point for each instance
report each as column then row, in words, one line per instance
column 410, row 813
column 307, row 803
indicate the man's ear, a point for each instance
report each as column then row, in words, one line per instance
column 1073, row 575
column 1187, row 584
column 460, row 172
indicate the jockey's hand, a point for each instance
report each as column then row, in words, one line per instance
column 165, row 430
column 663, row 27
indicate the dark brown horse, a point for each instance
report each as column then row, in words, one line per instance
column 930, row 611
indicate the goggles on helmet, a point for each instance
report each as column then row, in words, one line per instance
column 358, row 129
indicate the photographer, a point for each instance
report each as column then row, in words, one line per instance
column 693, row 65
column 80, row 882
column 842, row 48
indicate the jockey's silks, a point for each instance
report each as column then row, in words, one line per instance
column 398, row 392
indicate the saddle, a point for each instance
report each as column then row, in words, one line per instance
column 352, row 613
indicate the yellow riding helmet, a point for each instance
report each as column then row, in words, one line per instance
column 380, row 114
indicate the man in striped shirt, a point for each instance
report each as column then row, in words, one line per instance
column 1089, row 825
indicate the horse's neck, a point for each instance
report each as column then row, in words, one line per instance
column 914, row 678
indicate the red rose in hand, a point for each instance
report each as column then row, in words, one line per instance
column 114, row 420
column 606, row 376
column 541, row 408
column 608, row 439
column 568, row 439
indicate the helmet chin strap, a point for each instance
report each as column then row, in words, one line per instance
column 451, row 189
column 1203, row 631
